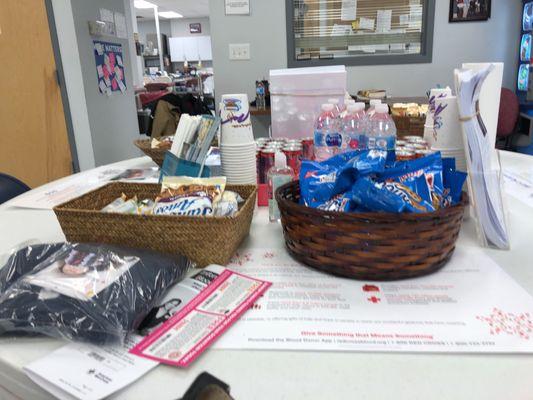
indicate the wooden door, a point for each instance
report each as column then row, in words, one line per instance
column 34, row 145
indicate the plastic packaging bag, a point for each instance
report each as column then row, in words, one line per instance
column 88, row 292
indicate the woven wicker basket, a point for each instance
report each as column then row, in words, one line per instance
column 205, row 240
column 409, row 126
column 370, row 246
column 157, row 155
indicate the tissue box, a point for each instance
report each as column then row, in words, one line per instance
column 296, row 95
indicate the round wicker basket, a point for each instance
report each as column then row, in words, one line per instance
column 369, row 246
column 157, row 155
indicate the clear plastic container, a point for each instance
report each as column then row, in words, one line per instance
column 328, row 140
column 278, row 175
column 354, row 127
column 381, row 130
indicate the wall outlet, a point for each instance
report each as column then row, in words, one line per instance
column 239, row 51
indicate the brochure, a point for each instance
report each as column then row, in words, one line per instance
column 195, row 326
column 51, row 195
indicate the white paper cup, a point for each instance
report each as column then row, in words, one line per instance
column 236, row 125
column 435, row 94
column 447, row 127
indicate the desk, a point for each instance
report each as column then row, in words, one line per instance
column 269, row 375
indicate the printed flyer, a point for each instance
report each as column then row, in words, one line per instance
column 183, row 330
column 471, row 305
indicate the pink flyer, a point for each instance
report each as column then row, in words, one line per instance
column 185, row 335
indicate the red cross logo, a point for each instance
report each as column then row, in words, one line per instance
column 374, row 299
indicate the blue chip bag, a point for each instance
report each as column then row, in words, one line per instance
column 321, row 181
column 317, row 183
column 339, row 203
column 453, row 183
column 389, row 196
column 430, row 167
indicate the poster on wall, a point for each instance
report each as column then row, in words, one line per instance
column 109, row 67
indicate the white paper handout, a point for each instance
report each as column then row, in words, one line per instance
column 348, row 10
column 479, row 139
column 366, row 23
column 120, row 25
column 341, row 30
column 519, row 184
column 87, row 372
column 106, row 15
column 384, row 20
column 415, row 17
column 49, row 196
column 471, row 305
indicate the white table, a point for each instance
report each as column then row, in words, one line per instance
column 305, row 375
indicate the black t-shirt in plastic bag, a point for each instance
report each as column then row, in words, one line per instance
column 89, row 292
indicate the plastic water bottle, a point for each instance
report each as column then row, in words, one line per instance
column 347, row 102
column 328, row 140
column 372, row 107
column 354, row 127
column 381, row 130
column 337, row 108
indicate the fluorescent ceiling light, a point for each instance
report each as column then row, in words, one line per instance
column 143, row 4
column 170, row 14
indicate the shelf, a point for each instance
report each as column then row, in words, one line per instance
column 258, row 111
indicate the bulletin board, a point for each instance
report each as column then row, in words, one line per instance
column 109, row 67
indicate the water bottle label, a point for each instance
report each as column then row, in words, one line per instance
column 354, row 143
column 319, row 139
column 382, row 143
column 334, row 140
column 358, row 142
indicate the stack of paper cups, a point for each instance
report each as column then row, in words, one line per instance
column 434, row 94
column 237, row 145
column 447, row 135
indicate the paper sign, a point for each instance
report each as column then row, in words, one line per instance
column 415, row 17
column 348, row 10
column 366, row 23
column 106, row 15
column 191, row 330
column 237, row 7
column 88, row 372
column 384, row 19
column 341, row 30
column 120, row 26
column 470, row 305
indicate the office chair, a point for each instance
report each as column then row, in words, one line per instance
column 11, row 187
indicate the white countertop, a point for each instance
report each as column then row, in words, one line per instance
column 304, row 375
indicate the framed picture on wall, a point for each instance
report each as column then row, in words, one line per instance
column 195, row 28
column 469, row 10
